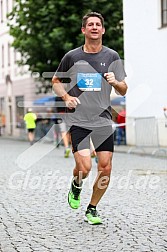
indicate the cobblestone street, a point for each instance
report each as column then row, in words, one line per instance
column 34, row 212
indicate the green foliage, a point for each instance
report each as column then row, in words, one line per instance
column 45, row 30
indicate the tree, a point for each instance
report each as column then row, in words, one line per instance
column 45, row 30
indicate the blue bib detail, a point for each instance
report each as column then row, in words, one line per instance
column 89, row 81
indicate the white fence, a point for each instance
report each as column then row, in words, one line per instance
column 146, row 135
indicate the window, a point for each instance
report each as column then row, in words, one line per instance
column 2, row 113
column 8, row 54
column 13, row 2
column 2, row 55
column 164, row 13
column 19, row 112
column 2, row 105
column 7, row 6
column 15, row 56
column 1, row 11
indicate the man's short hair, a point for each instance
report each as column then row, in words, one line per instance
column 92, row 14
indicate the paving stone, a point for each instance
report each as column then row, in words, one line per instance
column 35, row 216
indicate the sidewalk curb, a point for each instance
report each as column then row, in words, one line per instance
column 118, row 149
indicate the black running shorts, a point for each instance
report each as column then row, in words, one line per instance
column 31, row 130
column 102, row 138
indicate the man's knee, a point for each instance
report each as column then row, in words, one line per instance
column 85, row 169
column 105, row 169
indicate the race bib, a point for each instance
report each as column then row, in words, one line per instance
column 89, row 81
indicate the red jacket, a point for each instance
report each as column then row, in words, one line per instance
column 121, row 118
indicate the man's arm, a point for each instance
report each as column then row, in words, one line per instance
column 120, row 86
column 71, row 102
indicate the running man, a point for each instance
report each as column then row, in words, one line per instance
column 93, row 69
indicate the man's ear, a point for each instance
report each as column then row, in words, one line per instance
column 83, row 30
column 103, row 31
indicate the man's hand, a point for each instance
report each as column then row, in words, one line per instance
column 70, row 101
column 120, row 86
column 110, row 77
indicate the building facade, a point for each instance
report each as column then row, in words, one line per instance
column 17, row 87
column 145, row 36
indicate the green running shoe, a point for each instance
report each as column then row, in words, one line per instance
column 67, row 152
column 74, row 196
column 92, row 217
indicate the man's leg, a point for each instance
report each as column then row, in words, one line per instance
column 65, row 138
column 119, row 135
column 100, row 186
column 83, row 165
column 103, row 176
column 103, row 139
column 80, row 172
column 67, row 149
column 80, row 141
column 31, row 136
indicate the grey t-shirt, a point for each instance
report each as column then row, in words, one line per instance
column 83, row 75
